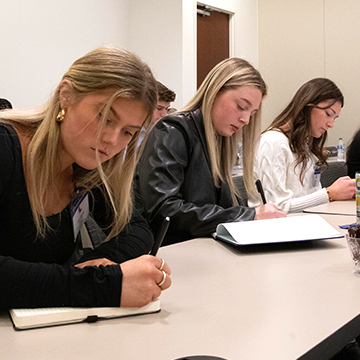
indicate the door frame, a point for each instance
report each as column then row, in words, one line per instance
column 231, row 14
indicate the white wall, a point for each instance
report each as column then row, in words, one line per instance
column 155, row 34
column 40, row 39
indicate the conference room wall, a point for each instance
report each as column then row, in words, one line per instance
column 297, row 41
column 300, row 40
column 40, row 39
column 155, row 34
column 163, row 33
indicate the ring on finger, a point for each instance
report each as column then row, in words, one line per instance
column 162, row 264
column 163, row 279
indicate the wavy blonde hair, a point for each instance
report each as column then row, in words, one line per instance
column 105, row 68
column 229, row 74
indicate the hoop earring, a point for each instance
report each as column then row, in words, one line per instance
column 61, row 116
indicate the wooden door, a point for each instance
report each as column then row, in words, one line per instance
column 212, row 40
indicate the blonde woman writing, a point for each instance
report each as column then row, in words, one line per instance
column 65, row 163
column 185, row 171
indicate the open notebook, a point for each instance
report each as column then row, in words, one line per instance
column 288, row 229
column 42, row 317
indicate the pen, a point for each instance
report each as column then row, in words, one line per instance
column 346, row 226
column 160, row 236
column 260, row 190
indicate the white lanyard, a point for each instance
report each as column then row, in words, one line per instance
column 79, row 212
column 317, row 175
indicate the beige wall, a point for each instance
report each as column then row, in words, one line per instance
column 300, row 40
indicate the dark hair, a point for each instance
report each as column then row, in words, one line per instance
column 351, row 154
column 164, row 93
column 295, row 122
column 5, row 104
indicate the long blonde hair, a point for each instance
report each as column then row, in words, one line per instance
column 229, row 74
column 105, row 68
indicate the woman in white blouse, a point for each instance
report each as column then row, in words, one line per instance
column 290, row 152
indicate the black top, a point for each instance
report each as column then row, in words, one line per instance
column 32, row 271
column 174, row 179
column 353, row 159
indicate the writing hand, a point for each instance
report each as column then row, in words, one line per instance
column 141, row 277
column 268, row 211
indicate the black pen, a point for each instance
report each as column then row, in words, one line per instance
column 160, row 236
column 260, row 190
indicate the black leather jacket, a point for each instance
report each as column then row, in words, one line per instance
column 174, row 179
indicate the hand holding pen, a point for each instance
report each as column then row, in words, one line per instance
column 260, row 190
column 267, row 210
column 140, row 285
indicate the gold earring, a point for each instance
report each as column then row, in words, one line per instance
column 61, row 116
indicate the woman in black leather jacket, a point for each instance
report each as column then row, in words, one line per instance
column 185, row 171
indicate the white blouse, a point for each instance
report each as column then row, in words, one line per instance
column 274, row 166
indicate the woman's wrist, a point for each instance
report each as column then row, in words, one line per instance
column 329, row 194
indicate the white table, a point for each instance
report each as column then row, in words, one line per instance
column 347, row 207
column 299, row 300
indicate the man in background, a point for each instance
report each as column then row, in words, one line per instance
column 164, row 98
